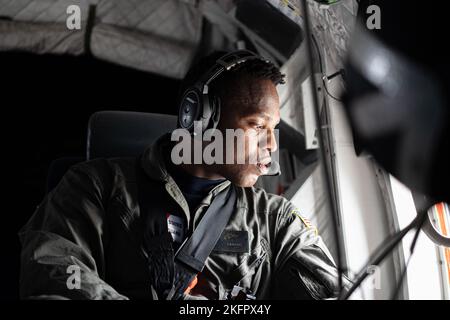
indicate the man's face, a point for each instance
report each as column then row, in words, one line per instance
column 254, row 107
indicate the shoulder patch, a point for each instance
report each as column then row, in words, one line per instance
column 305, row 221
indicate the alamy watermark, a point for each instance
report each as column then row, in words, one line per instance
column 74, row 280
column 374, row 20
column 73, row 21
column 234, row 146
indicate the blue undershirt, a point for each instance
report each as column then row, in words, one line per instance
column 194, row 189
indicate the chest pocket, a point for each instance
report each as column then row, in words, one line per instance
column 248, row 274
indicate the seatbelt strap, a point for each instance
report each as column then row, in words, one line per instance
column 190, row 259
column 192, row 255
column 197, row 248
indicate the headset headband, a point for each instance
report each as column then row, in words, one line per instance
column 224, row 63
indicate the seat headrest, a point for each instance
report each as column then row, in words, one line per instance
column 125, row 134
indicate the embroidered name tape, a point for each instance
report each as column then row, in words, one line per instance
column 233, row 242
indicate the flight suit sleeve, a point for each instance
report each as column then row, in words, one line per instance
column 62, row 244
column 304, row 268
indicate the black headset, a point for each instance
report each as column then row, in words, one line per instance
column 197, row 104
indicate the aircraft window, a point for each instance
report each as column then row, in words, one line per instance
column 428, row 258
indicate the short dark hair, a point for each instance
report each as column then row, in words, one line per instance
column 254, row 69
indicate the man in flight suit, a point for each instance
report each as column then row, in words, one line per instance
column 92, row 225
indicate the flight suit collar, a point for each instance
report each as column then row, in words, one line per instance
column 154, row 166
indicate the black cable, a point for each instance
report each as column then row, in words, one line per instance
column 402, row 277
column 411, row 250
column 334, row 75
column 328, row 92
column 380, row 254
column 340, row 72
column 321, row 141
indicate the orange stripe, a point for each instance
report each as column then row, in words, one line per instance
column 191, row 285
column 441, row 212
column 441, row 215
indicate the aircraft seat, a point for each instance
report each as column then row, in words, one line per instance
column 114, row 134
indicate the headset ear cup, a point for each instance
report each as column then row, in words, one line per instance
column 189, row 110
